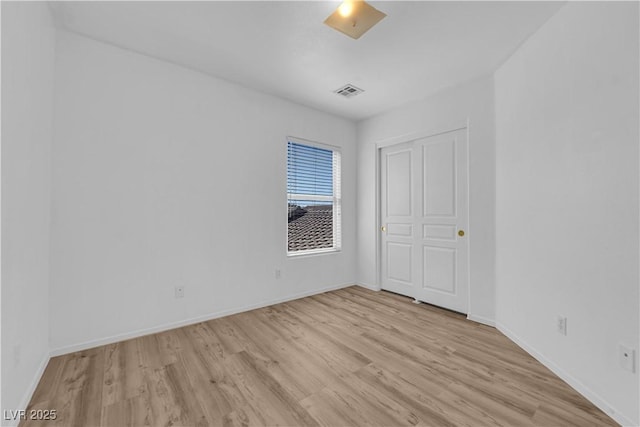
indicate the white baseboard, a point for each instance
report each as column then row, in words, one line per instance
column 564, row 376
column 28, row 394
column 370, row 287
column 483, row 320
column 167, row 326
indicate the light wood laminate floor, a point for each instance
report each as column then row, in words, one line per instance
column 350, row 357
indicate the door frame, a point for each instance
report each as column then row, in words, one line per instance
column 378, row 188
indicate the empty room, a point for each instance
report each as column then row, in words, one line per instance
column 320, row 213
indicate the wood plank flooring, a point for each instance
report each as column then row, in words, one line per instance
column 351, row 357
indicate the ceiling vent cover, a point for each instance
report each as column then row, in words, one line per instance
column 348, row 91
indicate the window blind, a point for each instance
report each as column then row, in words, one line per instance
column 313, row 198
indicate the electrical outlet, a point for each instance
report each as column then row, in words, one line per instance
column 627, row 358
column 179, row 291
column 278, row 273
column 562, row 325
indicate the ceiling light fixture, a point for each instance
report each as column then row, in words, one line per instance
column 345, row 9
column 354, row 18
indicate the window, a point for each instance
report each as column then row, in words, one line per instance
column 313, row 198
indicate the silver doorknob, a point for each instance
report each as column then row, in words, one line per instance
column 383, row 228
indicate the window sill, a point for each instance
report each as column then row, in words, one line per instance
column 304, row 254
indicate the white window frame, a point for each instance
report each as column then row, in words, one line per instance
column 336, row 199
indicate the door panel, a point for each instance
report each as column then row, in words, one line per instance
column 399, row 261
column 424, row 205
column 399, row 230
column 439, row 231
column 439, row 172
column 399, row 183
column 439, row 269
column 397, row 266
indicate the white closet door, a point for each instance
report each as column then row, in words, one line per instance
column 424, row 215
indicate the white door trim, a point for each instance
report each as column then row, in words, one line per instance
column 411, row 136
column 407, row 138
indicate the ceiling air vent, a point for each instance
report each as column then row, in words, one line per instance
column 349, row 91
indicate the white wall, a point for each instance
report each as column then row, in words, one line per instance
column 472, row 102
column 163, row 176
column 567, row 198
column 27, row 110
